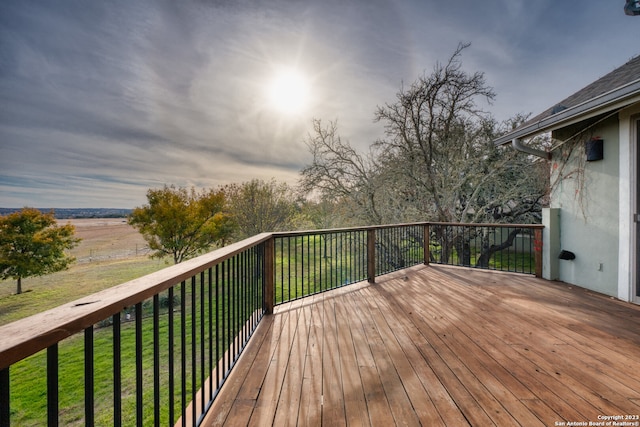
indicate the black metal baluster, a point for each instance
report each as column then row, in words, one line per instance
column 289, row 266
column 211, row 342
column 228, row 307
column 333, row 260
column 52, row 385
column 218, row 325
column 139, row 394
column 5, row 398
column 245, row 295
column 203, row 359
column 225, row 322
column 363, row 255
column 282, row 277
column 238, row 294
column 317, row 239
column 172, row 384
column 194, row 345
column 117, row 371
column 89, row 418
column 254, row 288
column 234, row 322
column 340, row 270
column 156, row 360
column 183, row 352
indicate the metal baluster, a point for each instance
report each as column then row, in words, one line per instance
column 183, row 352
column 172, row 413
column 156, row 360
column 117, row 371
column 88, row 377
column 217, row 339
column 194, row 346
column 5, row 398
column 52, row 385
column 203, row 359
column 234, row 312
column 139, row 400
column 211, row 337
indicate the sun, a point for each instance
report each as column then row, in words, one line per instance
column 288, row 91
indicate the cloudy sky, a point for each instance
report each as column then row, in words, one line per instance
column 101, row 100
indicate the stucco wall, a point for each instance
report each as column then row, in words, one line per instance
column 586, row 195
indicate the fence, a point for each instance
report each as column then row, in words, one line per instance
column 157, row 350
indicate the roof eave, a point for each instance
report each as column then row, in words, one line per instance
column 615, row 99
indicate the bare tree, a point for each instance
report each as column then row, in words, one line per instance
column 338, row 172
column 436, row 162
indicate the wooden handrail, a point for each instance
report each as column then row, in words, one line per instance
column 379, row 227
column 30, row 335
column 35, row 333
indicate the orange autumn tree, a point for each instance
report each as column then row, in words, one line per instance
column 182, row 223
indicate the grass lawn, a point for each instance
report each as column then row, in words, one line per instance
column 46, row 292
column 111, row 252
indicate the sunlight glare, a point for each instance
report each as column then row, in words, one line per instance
column 289, row 91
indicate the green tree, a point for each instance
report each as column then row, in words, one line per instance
column 33, row 244
column 259, row 206
column 181, row 222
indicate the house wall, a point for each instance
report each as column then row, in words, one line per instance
column 586, row 197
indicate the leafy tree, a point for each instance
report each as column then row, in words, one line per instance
column 259, row 206
column 181, row 222
column 32, row 244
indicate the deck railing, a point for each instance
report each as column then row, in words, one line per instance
column 156, row 350
column 503, row 247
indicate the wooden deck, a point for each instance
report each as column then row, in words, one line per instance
column 440, row 346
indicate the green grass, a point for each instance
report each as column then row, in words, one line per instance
column 28, row 386
column 46, row 292
column 28, row 382
column 501, row 260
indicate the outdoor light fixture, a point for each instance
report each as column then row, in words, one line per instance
column 594, row 149
column 632, row 7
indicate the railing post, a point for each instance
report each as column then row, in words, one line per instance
column 371, row 255
column 537, row 247
column 269, row 274
column 427, row 246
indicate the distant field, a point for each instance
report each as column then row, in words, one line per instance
column 106, row 239
column 111, row 252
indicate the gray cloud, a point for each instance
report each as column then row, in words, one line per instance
column 100, row 101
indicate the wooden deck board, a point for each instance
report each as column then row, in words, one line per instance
column 439, row 346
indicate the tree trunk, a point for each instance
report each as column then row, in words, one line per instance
column 19, row 286
column 487, row 253
column 463, row 249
